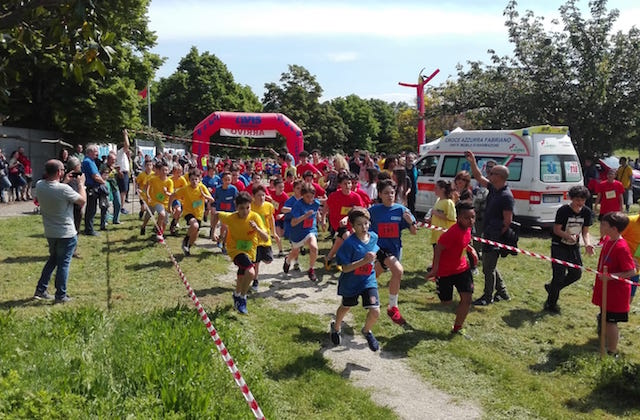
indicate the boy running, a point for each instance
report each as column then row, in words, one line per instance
column 265, row 210
column 194, row 198
column 339, row 204
column 159, row 188
column 358, row 279
column 304, row 230
column 179, row 181
column 450, row 266
column 387, row 221
column 224, row 197
column 245, row 232
column 278, row 199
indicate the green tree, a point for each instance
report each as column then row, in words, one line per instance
column 297, row 95
column 581, row 75
column 360, row 118
column 385, row 114
column 75, row 66
column 201, row 84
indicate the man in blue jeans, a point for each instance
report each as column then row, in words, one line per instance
column 56, row 200
column 94, row 180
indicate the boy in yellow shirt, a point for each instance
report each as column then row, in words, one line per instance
column 141, row 182
column 193, row 197
column 265, row 211
column 245, row 231
column 159, row 188
column 179, row 181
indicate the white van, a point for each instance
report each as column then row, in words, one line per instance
column 543, row 166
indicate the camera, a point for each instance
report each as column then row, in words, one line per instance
column 74, row 174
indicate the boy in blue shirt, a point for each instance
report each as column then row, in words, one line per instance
column 357, row 256
column 387, row 221
column 224, row 200
column 286, row 210
column 304, row 230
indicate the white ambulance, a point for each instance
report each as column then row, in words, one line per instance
column 543, row 166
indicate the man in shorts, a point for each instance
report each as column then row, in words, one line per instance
column 450, row 265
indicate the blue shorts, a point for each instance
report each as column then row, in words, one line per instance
column 176, row 203
column 634, row 279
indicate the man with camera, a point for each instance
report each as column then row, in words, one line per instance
column 93, row 182
column 56, row 199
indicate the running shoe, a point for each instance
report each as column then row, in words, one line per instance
column 254, row 285
column 312, row 275
column 335, row 335
column 286, row 266
column 374, row 345
column 396, row 317
column 185, row 246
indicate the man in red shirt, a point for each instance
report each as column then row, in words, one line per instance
column 610, row 195
column 450, row 266
column 308, row 178
column 339, row 203
column 305, row 166
column 318, row 162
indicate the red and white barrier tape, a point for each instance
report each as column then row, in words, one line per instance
column 168, row 137
column 532, row 254
column 222, row 349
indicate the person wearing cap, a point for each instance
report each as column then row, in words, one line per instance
column 498, row 216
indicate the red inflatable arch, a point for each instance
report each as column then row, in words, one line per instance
column 246, row 124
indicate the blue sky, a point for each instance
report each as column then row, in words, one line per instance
column 360, row 47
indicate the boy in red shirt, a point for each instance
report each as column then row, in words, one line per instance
column 339, row 204
column 450, row 266
column 616, row 258
column 278, row 198
column 610, row 195
column 305, row 166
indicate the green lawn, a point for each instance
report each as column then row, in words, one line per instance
column 132, row 344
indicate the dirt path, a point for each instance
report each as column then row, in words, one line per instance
column 388, row 376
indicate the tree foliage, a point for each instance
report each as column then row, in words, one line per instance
column 580, row 74
column 75, row 65
column 358, row 115
column 201, row 84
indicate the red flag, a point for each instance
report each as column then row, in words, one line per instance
column 143, row 93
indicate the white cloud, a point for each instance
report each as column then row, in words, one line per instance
column 202, row 19
column 341, row 57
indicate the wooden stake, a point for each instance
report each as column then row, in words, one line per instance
column 603, row 314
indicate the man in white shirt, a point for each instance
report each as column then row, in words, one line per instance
column 124, row 170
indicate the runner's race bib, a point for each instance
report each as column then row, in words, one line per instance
column 225, row 206
column 244, row 245
column 196, row 204
column 388, row 230
column 308, row 222
column 344, row 211
column 364, row 270
column 160, row 197
column 610, row 194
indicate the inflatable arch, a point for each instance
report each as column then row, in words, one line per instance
column 246, row 124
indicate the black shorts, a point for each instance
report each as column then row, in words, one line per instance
column 616, row 317
column 370, row 299
column 280, row 223
column 462, row 281
column 243, row 262
column 382, row 255
column 190, row 216
column 264, row 253
column 341, row 231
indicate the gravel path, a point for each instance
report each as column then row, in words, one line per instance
column 388, row 376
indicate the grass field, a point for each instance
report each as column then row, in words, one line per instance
column 131, row 343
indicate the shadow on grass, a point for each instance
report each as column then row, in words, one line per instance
column 617, row 392
column 150, row 264
column 401, row 344
column 20, row 302
column 25, row 259
column 518, row 317
column 216, row 291
column 563, row 357
column 413, row 279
